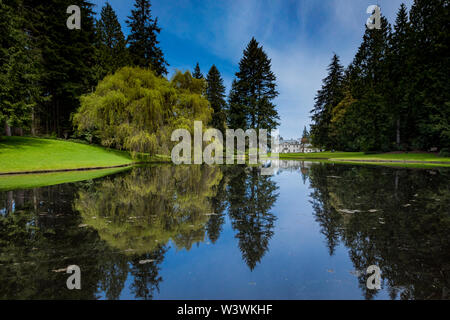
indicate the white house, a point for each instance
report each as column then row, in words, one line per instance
column 294, row 146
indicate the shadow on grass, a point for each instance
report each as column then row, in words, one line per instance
column 21, row 142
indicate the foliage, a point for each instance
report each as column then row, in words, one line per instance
column 197, row 74
column 143, row 43
column 395, row 93
column 137, row 111
column 254, row 91
column 112, row 51
column 215, row 93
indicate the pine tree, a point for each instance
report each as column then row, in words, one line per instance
column 398, row 61
column 236, row 111
column 326, row 99
column 256, row 87
column 19, row 68
column 69, row 60
column 143, row 43
column 368, row 76
column 112, row 44
column 197, row 73
column 430, row 24
column 215, row 93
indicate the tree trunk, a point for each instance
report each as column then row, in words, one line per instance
column 398, row 132
column 33, row 123
column 7, row 130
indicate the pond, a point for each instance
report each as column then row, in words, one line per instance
column 310, row 231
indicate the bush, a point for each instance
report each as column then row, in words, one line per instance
column 445, row 152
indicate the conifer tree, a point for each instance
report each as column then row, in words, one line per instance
column 256, row 88
column 236, row 111
column 326, row 99
column 215, row 93
column 197, row 73
column 143, row 42
column 19, row 68
column 430, row 25
column 112, row 44
column 396, row 84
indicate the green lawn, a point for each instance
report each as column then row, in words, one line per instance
column 20, row 154
column 425, row 159
column 25, row 181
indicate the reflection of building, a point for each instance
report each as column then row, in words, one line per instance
column 295, row 146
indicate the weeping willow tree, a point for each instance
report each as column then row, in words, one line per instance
column 141, row 211
column 136, row 110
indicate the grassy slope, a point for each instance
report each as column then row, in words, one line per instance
column 19, row 154
column 24, row 181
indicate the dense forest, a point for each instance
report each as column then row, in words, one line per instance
column 395, row 94
column 53, row 79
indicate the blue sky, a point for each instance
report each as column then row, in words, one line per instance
column 299, row 36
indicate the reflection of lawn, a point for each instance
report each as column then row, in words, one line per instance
column 23, row 181
column 18, row 154
column 396, row 159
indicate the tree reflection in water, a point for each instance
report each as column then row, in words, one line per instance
column 123, row 225
column 397, row 219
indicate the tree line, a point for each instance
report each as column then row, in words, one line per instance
column 394, row 95
column 46, row 69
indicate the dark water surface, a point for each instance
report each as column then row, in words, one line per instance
column 199, row 232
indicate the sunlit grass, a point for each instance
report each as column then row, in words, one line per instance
column 25, row 181
column 18, row 154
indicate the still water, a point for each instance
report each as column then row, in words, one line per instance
column 196, row 232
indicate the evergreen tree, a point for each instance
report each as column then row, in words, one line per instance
column 215, row 93
column 305, row 134
column 326, row 99
column 143, row 43
column 69, row 60
column 236, row 111
column 370, row 114
column 430, row 92
column 112, row 44
column 197, row 73
column 256, row 88
column 19, row 68
column 398, row 61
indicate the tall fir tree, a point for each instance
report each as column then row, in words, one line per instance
column 143, row 42
column 112, row 51
column 69, row 60
column 19, row 68
column 197, row 73
column 215, row 93
column 256, row 88
column 368, row 76
column 430, row 25
column 236, row 110
column 326, row 99
column 397, row 82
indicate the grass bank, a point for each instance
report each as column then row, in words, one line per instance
column 398, row 159
column 23, row 154
column 25, row 181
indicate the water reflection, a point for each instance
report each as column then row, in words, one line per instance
column 121, row 229
column 396, row 219
column 123, row 225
